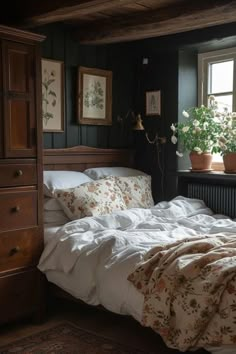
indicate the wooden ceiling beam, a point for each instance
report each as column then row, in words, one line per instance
column 73, row 11
column 185, row 16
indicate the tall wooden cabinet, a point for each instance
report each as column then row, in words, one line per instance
column 21, row 231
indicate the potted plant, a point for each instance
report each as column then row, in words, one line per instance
column 227, row 140
column 198, row 134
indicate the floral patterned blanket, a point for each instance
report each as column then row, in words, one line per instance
column 189, row 291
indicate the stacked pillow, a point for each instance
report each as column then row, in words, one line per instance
column 53, row 212
column 52, row 181
column 73, row 195
column 102, row 172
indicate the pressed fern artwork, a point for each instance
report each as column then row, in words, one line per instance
column 49, row 96
column 52, row 95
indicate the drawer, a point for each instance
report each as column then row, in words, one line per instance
column 19, row 295
column 18, row 209
column 17, row 174
column 20, row 248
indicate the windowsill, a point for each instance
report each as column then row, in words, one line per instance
column 218, row 166
column 212, row 175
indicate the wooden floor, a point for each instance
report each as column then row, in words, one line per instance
column 120, row 328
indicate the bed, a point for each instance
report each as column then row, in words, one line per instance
column 171, row 266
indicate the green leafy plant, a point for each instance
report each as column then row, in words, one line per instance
column 227, row 137
column 200, row 130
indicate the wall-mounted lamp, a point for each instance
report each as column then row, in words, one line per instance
column 139, row 123
column 155, row 140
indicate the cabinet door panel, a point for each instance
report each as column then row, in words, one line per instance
column 19, row 100
column 17, row 75
column 20, row 138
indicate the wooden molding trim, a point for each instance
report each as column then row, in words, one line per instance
column 79, row 158
column 6, row 31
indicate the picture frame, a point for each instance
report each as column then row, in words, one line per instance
column 52, row 95
column 94, row 96
column 153, row 103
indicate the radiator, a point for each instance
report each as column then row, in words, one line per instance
column 220, row 198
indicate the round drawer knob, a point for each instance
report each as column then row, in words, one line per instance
column 14, row 250
column 19, row 173
column 16, row 208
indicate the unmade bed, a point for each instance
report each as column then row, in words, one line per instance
column 171, row 266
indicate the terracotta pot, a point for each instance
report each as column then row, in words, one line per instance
column 201, row 162
column 230, row 162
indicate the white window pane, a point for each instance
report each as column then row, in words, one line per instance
column 221, row 77
column 224, row 101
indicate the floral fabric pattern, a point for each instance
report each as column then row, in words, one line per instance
column 91, row 199
column 136, row 191
column 189, row 291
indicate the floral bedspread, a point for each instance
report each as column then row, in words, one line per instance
column 189, row 291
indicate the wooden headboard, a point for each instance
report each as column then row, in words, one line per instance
column 78, row 158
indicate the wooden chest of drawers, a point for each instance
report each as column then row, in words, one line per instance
column 18, row 208
column 20, row 248
column 18, row 174
column 21, row 231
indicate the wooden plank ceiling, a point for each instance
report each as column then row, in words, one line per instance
column 109, row 21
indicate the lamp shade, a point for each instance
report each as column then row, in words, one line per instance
column 138, row 125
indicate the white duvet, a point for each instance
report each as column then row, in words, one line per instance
column 92, row 257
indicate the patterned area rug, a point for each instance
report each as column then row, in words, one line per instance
column 67, row 338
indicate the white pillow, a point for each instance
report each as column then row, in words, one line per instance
column 55, row 217
column 102, row 172
column 53, row 180
column 51, row 204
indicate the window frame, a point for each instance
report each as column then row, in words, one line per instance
column 204, row 60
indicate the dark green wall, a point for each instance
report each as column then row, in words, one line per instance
column 187, row 91
column 172, row 68
column 120, row 59
column 161, row 73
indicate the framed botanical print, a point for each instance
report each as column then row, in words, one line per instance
column 153, row 103
column 53, row 95
column 94, row 96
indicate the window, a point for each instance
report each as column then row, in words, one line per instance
column 217, row 76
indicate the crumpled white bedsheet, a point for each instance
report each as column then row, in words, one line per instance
column 96, row 254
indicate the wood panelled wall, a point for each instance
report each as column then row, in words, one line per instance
column 172, row 68
column 60, row 45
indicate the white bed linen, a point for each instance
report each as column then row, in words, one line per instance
column 50, row 231
column 92, row 257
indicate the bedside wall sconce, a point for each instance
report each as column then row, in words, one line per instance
column 155, row 140
column 139, row 123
